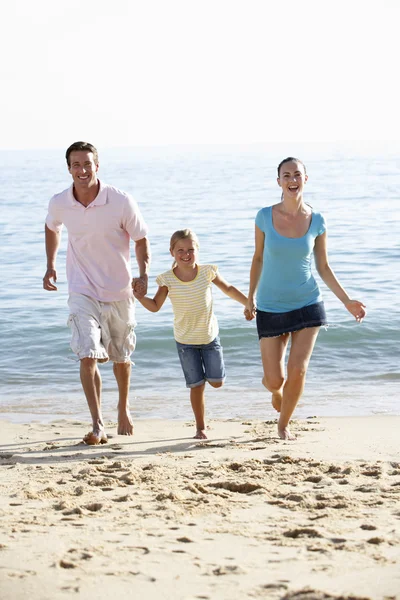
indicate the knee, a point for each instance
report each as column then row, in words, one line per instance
column 216, row 384
column 297, row 371
column 88, row 363
column 122, row 366
column 273, row 383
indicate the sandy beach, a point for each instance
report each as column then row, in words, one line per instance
column 243, row 515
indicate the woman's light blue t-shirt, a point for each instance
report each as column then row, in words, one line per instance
column 286, row 281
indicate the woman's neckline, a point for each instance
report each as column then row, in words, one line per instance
column 285, row 236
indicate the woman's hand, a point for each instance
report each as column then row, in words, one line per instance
column 357, row 309
column 250, row 310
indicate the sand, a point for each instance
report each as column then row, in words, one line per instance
column 160, row 515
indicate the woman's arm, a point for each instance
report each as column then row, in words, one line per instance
column 153, row 304
column 356, row 308
column 255, row 273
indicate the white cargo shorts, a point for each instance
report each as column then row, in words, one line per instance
column 102, row 330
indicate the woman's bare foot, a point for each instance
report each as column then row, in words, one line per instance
column 125, row 423
column 200, row 435
column 95, row 437
column 276, row 401
column 285, row 433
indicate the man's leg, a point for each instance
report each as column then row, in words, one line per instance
column 91, row 383
column 122, row 372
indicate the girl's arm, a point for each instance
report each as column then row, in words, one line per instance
column 255, row 273
column 229, row 290
column 153, row 304
column 356, row 308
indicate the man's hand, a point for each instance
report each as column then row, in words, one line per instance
column 50, row 274
column 139, row 286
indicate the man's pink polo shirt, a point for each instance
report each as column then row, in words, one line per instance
column 98, row 254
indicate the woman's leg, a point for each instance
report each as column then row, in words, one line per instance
column 301, row 348
column 198, row 406
column 273, row 360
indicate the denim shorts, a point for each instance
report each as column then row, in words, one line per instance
column 275, row 324
column 201, row 362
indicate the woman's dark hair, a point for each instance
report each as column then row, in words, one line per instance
column 290, row 159
column 86, row 147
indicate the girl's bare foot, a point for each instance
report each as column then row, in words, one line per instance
column 200, row 435
column 125, row 424
column 285, row 434
column 276, row 401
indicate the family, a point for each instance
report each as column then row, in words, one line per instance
column 283, row 295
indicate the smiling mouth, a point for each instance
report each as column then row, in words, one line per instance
column 293, row 188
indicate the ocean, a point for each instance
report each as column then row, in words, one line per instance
column 216, row 191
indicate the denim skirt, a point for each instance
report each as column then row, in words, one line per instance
column 275, row 324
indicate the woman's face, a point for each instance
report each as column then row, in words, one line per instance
column 292, row 178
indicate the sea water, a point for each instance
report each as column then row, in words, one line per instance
column 355, row 368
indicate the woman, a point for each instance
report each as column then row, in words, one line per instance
column 289, row 303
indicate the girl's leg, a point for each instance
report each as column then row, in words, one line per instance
column 300, row 353
column 198, row 406
column 273, row 361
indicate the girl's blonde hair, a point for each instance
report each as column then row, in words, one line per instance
column 182, row 234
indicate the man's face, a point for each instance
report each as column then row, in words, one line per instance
column 83, row 169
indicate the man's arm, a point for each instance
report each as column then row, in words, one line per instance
column 52, row 240
column 142, row 250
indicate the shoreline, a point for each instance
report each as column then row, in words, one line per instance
column 243, row 514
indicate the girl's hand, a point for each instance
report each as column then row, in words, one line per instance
column 357, row 309
column 139, row 287
column 250, row 310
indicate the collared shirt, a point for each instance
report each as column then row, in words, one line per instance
column 98, row 254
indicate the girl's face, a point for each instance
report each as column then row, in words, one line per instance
column 292, row 179
column 185, row 253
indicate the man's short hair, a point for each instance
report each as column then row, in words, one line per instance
column 86, row 147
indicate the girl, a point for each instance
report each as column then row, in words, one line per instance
column 188, row 285
column 289, row 303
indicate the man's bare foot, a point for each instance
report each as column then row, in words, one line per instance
column 125, row 423
column 95, row 437
column 276, row 401
column 285, row 434
column 200, row 435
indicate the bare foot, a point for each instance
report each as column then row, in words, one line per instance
column 125, row 423
column 276, row 401
column 200, row 435
column 95, row 437
column 285, row 434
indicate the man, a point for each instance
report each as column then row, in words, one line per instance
column 101, row 221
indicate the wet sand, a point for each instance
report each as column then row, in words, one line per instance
column 242, row 515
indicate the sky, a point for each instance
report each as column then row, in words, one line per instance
column 159, row 72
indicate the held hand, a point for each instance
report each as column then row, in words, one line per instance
column 357, row 309
column 250, row 310
column 139, row 286
column 50, row 274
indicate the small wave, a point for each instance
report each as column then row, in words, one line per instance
column 385, row 377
